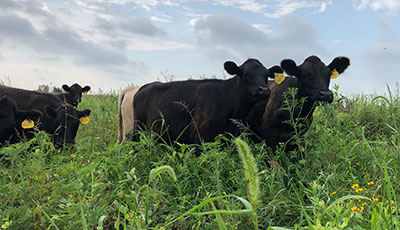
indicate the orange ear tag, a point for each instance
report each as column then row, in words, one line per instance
column 84, row 120
column 279, row 78
column 334, row 74
column 27, row 124
column 85, row 93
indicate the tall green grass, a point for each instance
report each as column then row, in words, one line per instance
column 150, row 185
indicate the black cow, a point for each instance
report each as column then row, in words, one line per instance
column 199, row 110
column 11, row 120
column 59, row 119
column 73, row 95
column 312, row 78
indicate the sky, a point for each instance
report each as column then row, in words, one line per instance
column 110, row 44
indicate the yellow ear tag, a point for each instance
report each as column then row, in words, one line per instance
column 27, row 124
column 334, row 74
column 85, row 93
column 84, row 120
column 279, row 78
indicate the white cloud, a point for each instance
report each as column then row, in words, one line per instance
column 247, row 5
column 263, row 27
column 153, row 44
column 375, row 5
column 224, row 36
column 289, row 6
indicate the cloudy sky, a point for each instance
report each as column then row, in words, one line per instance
column 110, row 44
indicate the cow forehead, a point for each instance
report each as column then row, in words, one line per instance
column 254, row 67
column 67, row 109
column 314, row 67
column 76, row 87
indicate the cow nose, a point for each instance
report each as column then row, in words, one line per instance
column 326, row 95
column 263, row 91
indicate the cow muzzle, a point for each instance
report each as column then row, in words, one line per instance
column 326, row 95
column 263, row 92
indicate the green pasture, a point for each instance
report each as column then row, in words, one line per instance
column 345, row 175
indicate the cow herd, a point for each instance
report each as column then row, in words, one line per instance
column 22, row 110
column 192, row 111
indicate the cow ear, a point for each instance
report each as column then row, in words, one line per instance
column 84, row 113
column 66, row 88
column 231, row 68
column 30, row 114
column 86, row 89
column 273, row 70
column 290, row 67
column 340, row 64
column 50, row 111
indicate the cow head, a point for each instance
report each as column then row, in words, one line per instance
column 253, row 77
column 12, row 118
column 75, row 93
column 314, row 76
column 63, row 122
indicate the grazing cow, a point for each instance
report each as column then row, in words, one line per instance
column 312, row 78
column 13, row 120
column 59, row 119
column 198, row 110
column 73, row 95
column 125, row 110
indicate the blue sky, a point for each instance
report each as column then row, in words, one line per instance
column 110, row 44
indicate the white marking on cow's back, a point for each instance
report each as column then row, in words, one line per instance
column 126, row 114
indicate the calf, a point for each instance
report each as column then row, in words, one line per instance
column 13, row 120
column 59, row 119
column 194, row 111
column 73, row 95
column 312, row 78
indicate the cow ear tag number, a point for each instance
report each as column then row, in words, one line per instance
column 84, row 120
column 334, row 74
column 27, row 124
column 279, row 78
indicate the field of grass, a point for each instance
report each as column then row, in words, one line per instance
column 345, row 175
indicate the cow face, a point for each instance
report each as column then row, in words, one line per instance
column 11, row 118
column 63, row 122
column 75, row 93
column 253, row 78
column 314, row 76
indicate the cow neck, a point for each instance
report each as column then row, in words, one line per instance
column 308, row 106
column 241, row 104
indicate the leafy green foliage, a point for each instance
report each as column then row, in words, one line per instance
column 344, row 175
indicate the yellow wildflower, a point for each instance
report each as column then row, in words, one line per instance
column 354, row 208
column 370, row 183
column 354, row 186
column 83, row 164
column 375, row 199
column 363, row 204
column 360, row 208
column 393, row 207
column 359, row 190
column 5, row 225
column 72, row 155
column 333, row 193
column 392, row 201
